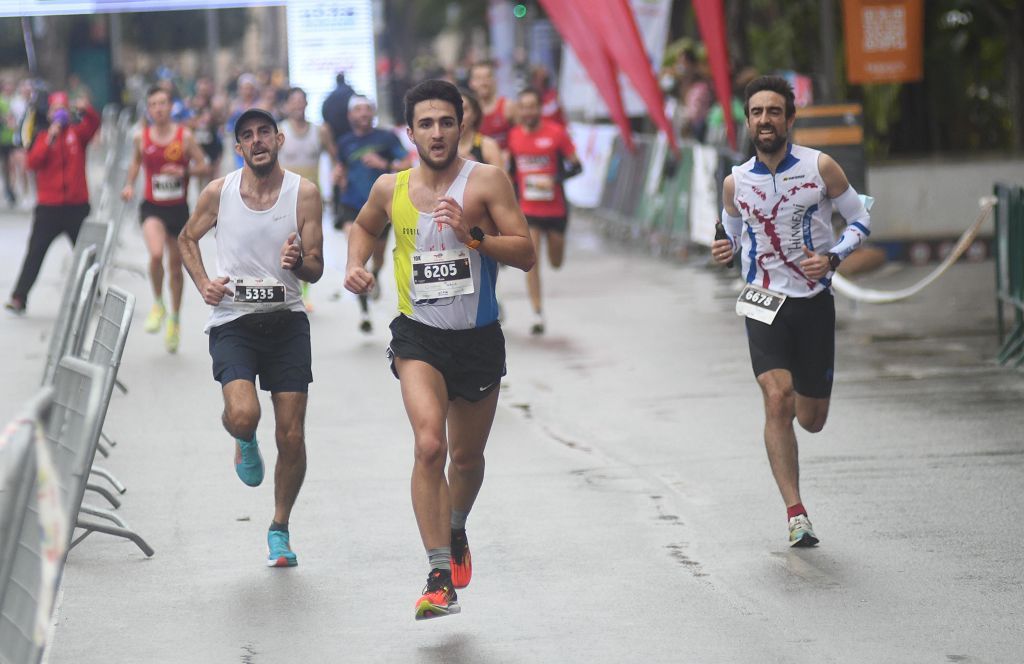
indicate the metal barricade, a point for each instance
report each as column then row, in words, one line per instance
column 60, row 337
column 107, row 348
column 1009, row 251
column 67, row 426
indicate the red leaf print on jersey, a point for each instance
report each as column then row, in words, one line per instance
column 768, row 222
column 760, row 194
column 767, row 280
column 805, row 185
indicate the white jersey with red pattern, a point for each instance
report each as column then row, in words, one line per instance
column 782, row 213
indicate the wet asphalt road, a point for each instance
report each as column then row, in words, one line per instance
column 628, row 513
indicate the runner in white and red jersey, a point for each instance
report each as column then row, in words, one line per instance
column 498, row 112
column 538, row 150
column 169, row 153
column 777, row 214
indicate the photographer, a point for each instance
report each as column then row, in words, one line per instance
column 57, row 155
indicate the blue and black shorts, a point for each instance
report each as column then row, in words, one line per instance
column 274, row 346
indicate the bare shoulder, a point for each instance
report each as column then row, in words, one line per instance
column 729, row 184
column 211, row 192
column 833, row 175
column 385, row 184
column 486, row 175
column 307, row 189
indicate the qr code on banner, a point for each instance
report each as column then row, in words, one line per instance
column 885, row 29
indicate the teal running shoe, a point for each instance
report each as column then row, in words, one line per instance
column 800, row 531
column 249, row 462
column 281, row 554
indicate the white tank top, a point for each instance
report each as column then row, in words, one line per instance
column 249, row 246
column 781, row 214
column 301, row 152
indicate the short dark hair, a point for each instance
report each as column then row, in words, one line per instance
column 154, row 89
column 434, row 88
column 478, row 112
column 770, row 84
column 530, row 91
column 292, row 91
column 483, row 63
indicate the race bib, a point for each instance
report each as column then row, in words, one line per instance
column 442, row 274
column 258, row 291
column 168, row 187
column 760, row 304
column 538, row 187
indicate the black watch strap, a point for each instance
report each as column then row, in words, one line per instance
column 834, row 260
column 477, row 233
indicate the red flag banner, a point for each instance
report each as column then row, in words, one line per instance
column 593, row 55
column 613, row 23
column 711, row 22
column 884, row 40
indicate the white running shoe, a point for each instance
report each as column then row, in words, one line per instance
column 800, row 531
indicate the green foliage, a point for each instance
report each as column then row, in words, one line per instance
column 783, row 35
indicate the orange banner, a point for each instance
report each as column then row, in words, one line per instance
column 884, row 40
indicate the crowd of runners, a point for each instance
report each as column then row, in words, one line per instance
column 476, row 183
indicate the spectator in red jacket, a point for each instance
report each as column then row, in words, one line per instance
column 57, row 155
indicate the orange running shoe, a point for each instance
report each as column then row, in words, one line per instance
column 439, row 598
column 462, row 560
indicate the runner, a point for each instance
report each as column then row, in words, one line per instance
column 474, row 145
column 447, row 347
column 777, row 214
column 303, row 144
column 268, row 238
column 498, row 112
column 363, row 155
column 168, row 151
column 538, row 148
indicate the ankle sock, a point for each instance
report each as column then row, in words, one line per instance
column 282, row 527
column 795, row 510
column 440, row 558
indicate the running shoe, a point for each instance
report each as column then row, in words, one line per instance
column 538, row 325
column 462, row 560
column 155, row 319
column 281, row 554
column 249, row 462
column 439, row 598
column 800, row 531
column 173, row 336
column 15, row 306
column 365, row 325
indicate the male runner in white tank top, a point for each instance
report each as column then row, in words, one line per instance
column 269, row 238
column 447, row 349
column 304, row 142
column 778, row 215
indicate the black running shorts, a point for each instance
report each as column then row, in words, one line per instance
column 802, row 340
column 274, row 346
column 472, row 361
column 173, row 217
column 552, row 224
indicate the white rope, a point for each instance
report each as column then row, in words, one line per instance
column 847, row 288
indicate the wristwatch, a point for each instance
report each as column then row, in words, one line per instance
column 477, row 236
column 833, row 261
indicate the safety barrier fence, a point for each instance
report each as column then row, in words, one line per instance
column 652, row 197
column 47, row 454
column 1009, row 251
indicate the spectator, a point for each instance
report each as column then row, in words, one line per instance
column 57, row 154
column 694, row 95
column 335, row 108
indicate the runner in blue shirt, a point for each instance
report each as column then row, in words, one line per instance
column 364, row 154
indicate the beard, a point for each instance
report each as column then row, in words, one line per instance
column 772, row 144
column 438, row 164
column 262, row 170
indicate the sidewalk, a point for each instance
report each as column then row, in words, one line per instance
column 628, row 514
